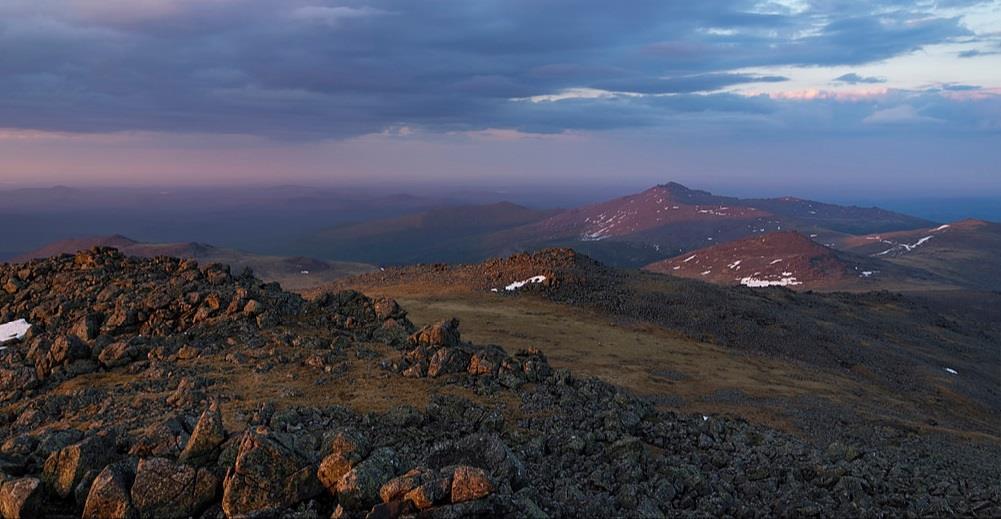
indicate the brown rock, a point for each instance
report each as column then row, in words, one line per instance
column 64, row 469
column 443, row 333
column 109, row 496
column 208, row 435
column 469, row 484
column 486, row 361
column 346, row 450
column 448, row 360
column 21, row 498
column 267, row 476
column 359, row 487
column 164, row 489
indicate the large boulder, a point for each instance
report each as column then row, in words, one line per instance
column 66, row 468
column 109, row 496
column 346, row 450
column 206, row 438
column 469, row 484
column 485, row 451
column 359, row 487
column 164, row 489
column 268, row 475
column 21, row 498
column 443, row 333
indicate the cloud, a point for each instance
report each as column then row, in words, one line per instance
column 903, row 114
column 319, row 69
column 333, row 16
column 854, row 79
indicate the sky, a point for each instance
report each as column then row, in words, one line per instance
column 768, row 97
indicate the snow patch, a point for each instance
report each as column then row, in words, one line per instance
column 754, row 282
column 734, row 265
column 952, row 371
column 518, row 284
column 690, row 258
column 707, row 272
column 776, row 261
column 940, row 228
column 867, row 273
column 13, row 330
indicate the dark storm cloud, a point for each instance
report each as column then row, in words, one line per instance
column 339, row 69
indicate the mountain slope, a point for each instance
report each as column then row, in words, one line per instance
column 449, row 234
column 670, row 219
column 895, row 342
column 967, row 252
column 788, row 258
column 155, row 388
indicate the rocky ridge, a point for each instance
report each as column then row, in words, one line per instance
column 119, row 403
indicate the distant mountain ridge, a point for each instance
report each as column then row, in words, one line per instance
column 633, row 230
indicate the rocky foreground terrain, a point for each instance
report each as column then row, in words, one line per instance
column 161, row 388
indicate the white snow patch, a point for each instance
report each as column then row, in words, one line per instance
column 950, row 370
column 867, row 273
column 304, row 272
column 734, row 265
column 776, row 261
column 754, row 282
column 940, row 228
column 707, row 272
column 677, row 267
column 13, row 330
column 518, row 284
column 690, row 258
column 787, row 273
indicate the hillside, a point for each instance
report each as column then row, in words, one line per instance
column 292, row 272
column 790, row 259
column 155, row 388
column 450, row 234
column 967, row 252
column 670, row 219
column 896, row 343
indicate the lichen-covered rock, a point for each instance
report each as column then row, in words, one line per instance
column 21, row 498
column 168, row 490
column 206, row 438
column 109, row 496
column 444, row 333
column 359, row 487
column 469, row 484
column 65, row 468
column 268, row 476
column 346, row 450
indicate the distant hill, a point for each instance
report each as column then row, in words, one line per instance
column 294, row 273
column 450, row 234
column 788, row 258
column 635, row 230
column 966, row 252
column 671, row 219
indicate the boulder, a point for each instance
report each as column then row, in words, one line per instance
column 346, row 450
column 359, row 487
column 21, row 498
column 164, row 489
column 443, row 333
column 267, row 476
column 206, row 438
column 421, row 486
column 64, row 469
column 470, row 484
column 486, row 361
column 109, row 496
column 485, row 451
column 448, row 360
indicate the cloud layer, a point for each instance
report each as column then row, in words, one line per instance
column 312, row 69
